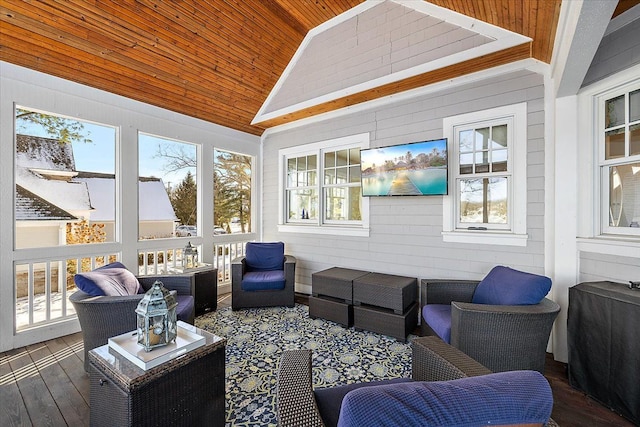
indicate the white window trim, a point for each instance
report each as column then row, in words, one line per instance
column 590, row 236
column 517, row 236
column 349, row 229
column 601, row 163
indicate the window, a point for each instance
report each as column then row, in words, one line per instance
column 167, row 190
column 65, row 180
column 321, row 187
column 232, row 174
column 619, row 161
column 487, row 193
column 302, row 188
column 342, row 193
column 65, row 195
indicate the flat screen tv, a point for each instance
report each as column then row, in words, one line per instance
column 414, row 169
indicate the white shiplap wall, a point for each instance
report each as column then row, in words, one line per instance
column 385, row 39
column 405, row 231
column 596, row 267
column 618, row 50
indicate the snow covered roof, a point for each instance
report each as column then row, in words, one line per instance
column 46, row 175
column 34, row 152
column 31, row 207
column 153, row 199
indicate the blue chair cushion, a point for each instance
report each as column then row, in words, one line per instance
column 329, row 399
column 264, row 256
column 185, row 307
column 438, row 317
column 505, row 398
column 111, row 279
column 506, row 286
column 263, row 280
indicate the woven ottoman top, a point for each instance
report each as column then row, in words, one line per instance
column 387, row 280
column 341, row 273
column 335, row 282
column 385, row 290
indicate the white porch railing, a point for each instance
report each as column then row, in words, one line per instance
column 42, row 286
column 165, row 259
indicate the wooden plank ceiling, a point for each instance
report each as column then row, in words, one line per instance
column 216, row 60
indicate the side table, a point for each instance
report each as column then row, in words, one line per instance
column 186, row 391
column 206, row 278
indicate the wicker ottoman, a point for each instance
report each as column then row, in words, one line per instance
column 385, row 321
column 396, row 293
column 331, row 309
column 335, row 282
column 332, row 294
column 386, row 304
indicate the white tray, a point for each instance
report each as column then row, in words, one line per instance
column 127, row 345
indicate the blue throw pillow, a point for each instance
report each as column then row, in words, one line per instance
column 111, row 279
column 265, row 256
column 506, row 286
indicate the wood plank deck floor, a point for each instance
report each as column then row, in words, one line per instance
column 45, row 385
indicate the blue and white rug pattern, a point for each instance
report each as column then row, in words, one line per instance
column 257, row 337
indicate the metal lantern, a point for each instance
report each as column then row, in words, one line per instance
column 189, row 256
column 157, row 318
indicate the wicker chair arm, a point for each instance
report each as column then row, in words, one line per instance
column 446, row 291
column 294, row 393
column 102, row 317
column 184, row 284
column 504, row 338
column 290, row 271
column 434, row 360
column 238, row 267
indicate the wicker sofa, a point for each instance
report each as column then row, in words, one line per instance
column 432, row 360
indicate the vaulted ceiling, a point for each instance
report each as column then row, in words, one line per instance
column 218, row 60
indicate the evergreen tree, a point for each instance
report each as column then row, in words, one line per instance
column 184, row 200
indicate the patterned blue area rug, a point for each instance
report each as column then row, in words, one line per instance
column 257, row 337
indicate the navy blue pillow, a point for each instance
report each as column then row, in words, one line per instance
column 265, row 256
column 506, row 286
column 111, row 279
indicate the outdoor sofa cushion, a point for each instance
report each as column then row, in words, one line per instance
column 506, row 286
column 439, row 316
column 329, row 399
column 505, row 398
column 185, row 307
column 263, row 280
column 112, row 279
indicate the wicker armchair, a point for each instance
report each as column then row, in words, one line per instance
column 432, row 360
column 501, row 337
column 103, row 317
column 269, row 265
